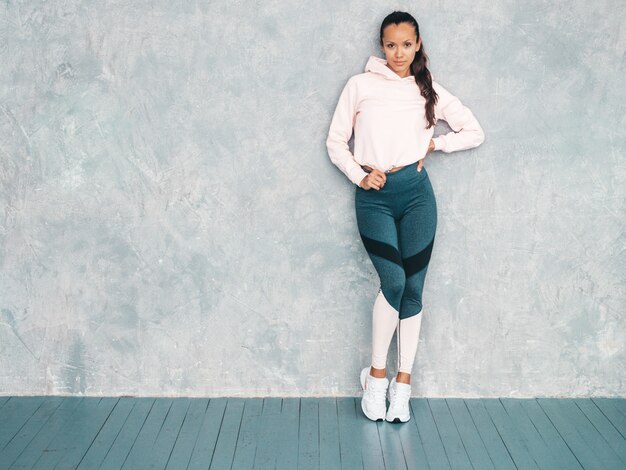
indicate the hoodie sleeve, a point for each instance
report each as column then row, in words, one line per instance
column 468, row 132
column 340, row 131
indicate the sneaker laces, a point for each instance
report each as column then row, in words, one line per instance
column 378, row 394
column 378, row 390
column 398, row 394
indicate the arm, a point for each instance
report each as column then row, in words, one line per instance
column 468, row 132
column 340, row 132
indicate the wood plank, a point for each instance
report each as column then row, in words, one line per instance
column 287, row 434
column 390, row 445
column 330, row 455
column 165, row 440
column 4, row 400
column 614, row 439
column 104, row 440
column 532, row 438
column 207, row 437
column 474, row 446
column 349, row 446
column 511, row 437
column 148, row 434
column 609, row 406
column 306, row 436
column 590, row 434
column 266, row 445
column 433, row 446
column 16, row 412
column 569, row 433
column 618, row 403
column 369, row 435
column 227, row 439
column 489, row 434
column 550, row 435
column 248, row 435
column 452, row 443
column 29, row 430
column 412, row 445
column 127, row 436
column 186, row 440
column 69, row 446
column 31, row 453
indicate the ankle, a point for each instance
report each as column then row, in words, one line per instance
column 378, row 373
column 404, row 378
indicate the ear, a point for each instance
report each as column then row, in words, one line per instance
column 419, row 44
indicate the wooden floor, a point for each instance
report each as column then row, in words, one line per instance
column 324, row 433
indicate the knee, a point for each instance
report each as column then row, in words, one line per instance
column 411, row 300
column 413, row 289
column 410, row 311
column 393, row 290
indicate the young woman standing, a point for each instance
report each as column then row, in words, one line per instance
column 392, row 108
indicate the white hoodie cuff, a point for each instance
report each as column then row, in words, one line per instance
column 357, row 174
column 440, row 144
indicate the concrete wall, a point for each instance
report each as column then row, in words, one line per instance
column 172, row 224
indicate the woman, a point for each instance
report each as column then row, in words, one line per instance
column 393, row 107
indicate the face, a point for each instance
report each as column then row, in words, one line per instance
column 400, row 46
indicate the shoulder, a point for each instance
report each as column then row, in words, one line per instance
column 444, row 96
column 359, row 78
column 357, row 83
column 439, row 88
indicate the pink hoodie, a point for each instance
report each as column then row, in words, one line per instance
column 388, row 115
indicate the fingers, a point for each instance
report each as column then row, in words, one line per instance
column 372, row 183
column 377, row 179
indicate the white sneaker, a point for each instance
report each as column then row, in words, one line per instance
column 374, row 403
column 399, row 395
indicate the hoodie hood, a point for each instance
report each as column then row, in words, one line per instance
column 379, row 66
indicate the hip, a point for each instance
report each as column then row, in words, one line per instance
column 398, row 179
column 404, row 187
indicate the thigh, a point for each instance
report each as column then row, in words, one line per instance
column 417, row 228
column 416, row 240
column 379, row 233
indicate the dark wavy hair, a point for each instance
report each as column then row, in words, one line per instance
column 418, row 67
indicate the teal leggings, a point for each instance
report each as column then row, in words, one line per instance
column 397, row 225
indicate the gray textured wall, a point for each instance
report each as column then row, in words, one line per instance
column 172, row 224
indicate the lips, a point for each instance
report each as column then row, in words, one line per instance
column 399, row 63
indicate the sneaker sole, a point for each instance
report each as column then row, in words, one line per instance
column 364, row 373
column 397, row 419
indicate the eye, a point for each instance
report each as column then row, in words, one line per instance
column 408, row 44
column 390, row 45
